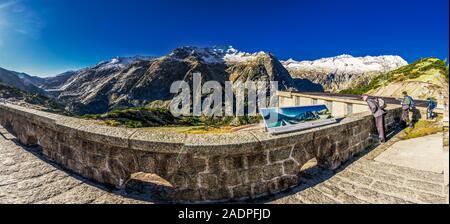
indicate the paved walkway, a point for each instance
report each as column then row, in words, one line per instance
column 25, row 177
column 423, row 153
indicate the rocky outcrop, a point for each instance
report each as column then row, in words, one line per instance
column 343, row 72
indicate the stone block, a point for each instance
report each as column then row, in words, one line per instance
column 305, row 151
column 325, row 145
column 128, row 160
column 287, row 182
column 254, row 175
column 291, row 167
column 116, row 171
column 93, row 174
column 75, row 166
column 111, row 179
column 257, row 159
column 280, row 154
column 217, row 194
column 180, row 181
column 264, row 188
column 94, row 160
column 67, row 152
column 343, row 145
column 242, row 192
column 50, row 143
column 209, row 181
column 235, row 162
column 272, row 171
column 147, row 162
column 216, row 164
column 169, row 164
column 231, row 178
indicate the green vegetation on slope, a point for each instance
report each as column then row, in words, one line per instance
column 423, row 128
column 9, row 92
column 156, row 117
column 407, row 72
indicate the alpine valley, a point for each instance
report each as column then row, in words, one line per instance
column 125, row 82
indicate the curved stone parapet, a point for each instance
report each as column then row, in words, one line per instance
column 199, row 167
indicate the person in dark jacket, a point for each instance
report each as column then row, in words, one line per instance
column 431, row 105
column 379, row 114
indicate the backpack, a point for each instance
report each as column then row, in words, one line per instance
column 381, row 103
column 412, row 104
column 432, row 104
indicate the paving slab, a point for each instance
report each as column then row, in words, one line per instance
column 424, row 153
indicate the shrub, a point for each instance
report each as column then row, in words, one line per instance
column 112, row 123
column 134, row 124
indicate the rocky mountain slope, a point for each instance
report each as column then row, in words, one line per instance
column 424, row 78
column 19, row 80
column 343, row 72
column 127, row 82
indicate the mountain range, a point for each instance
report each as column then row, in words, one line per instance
column 124, row 82
column 344, row 71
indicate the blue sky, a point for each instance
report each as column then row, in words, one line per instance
column 47, row 37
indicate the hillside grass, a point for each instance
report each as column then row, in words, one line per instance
column 416, row 70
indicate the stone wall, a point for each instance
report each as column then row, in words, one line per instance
column 206, row 167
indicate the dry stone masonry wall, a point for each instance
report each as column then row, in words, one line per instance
column 207, row 167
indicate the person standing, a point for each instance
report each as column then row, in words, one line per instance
column 407, row 106
column 379, row 115
column 431, row 104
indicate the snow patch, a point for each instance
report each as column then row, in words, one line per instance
column 120, row 62
column 217, row 54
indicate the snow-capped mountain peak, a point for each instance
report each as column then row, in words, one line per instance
column 348, row 64
column 215, row 55
column 120, row 62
